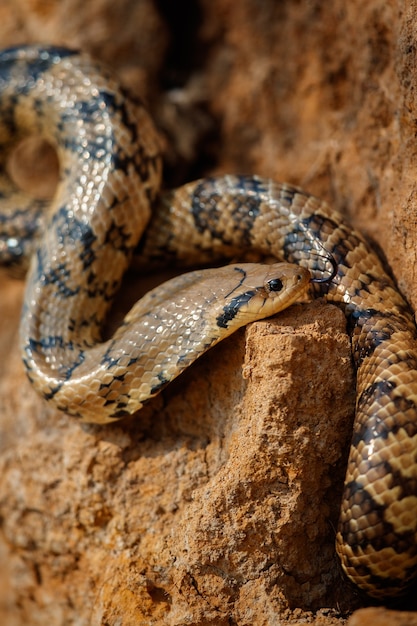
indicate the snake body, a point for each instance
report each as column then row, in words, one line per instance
column 82, row 244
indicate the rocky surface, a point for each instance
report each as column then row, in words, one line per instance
column 382, row 617
column 217, row 505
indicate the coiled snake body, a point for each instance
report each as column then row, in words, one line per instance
column 81, row 245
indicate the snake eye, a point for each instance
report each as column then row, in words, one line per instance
column 275, row 284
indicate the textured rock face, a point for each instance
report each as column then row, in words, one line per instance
column 217, row 505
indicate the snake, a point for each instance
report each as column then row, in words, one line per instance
column 109, row 208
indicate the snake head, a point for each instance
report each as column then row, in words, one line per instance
column 262, row 291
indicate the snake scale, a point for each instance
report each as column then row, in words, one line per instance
column 82, row 241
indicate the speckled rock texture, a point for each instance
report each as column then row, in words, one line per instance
column 217, row 505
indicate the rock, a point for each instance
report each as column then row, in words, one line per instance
column 382, row 617
column 225, row 489
column 218, row 504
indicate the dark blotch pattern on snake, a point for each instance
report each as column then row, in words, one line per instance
column 80, row 247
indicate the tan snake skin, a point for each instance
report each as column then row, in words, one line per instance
column 110, row 175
